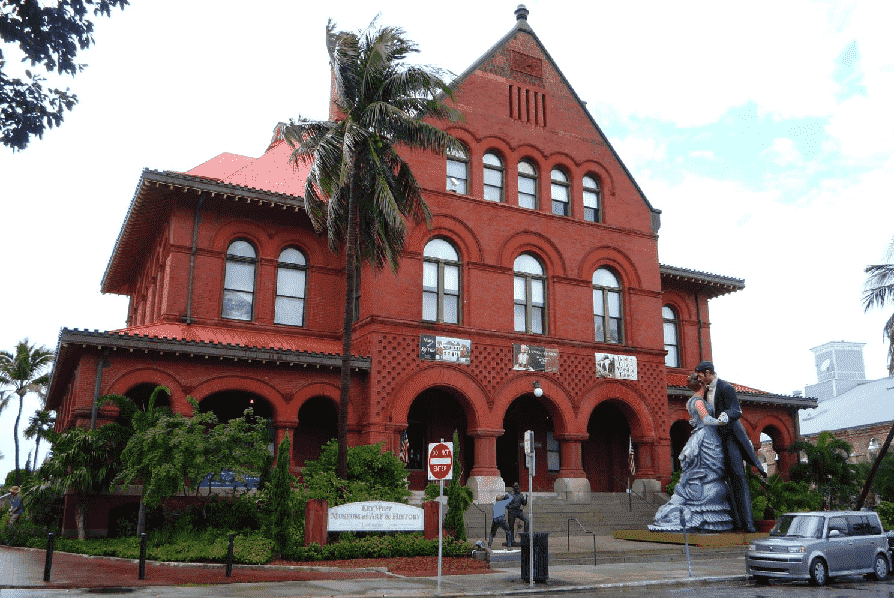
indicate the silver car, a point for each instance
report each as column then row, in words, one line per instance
column 818, row 545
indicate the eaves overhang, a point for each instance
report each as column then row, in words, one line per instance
column 756, row 397
column 73, row 342
column 711, row 285
column 149, row 207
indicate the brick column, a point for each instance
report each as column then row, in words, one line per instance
column 484, row 479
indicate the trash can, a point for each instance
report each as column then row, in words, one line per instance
column 541, row 557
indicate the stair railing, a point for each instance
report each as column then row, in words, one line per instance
column 583, row 529
column 484, row 513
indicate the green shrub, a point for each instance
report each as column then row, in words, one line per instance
column 373, row 474
column 885, row 511
column 675, row 479
column 24, row 531
column 379, row 546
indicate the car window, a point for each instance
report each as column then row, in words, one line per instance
column 839, row 524
column 874, row 526
column 857, row 525
column 799, row 526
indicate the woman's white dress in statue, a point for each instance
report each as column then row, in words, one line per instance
column 701, row 492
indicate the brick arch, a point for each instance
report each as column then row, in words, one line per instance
column 679, row 303
column 469, row 393
column 316, row 253
column 619, row 261
column 245, row 384
column 536, row 243
column 769, row 421
column 241, row 229
column 309, row 391
column 557, row 398
column 533, row 154
column 452, row 228
column 634, row 406
column 498, row 145
column 149, row 375
column 606, row 180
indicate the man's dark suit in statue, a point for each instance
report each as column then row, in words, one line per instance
column 736, row 447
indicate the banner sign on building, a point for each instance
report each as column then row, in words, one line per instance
column 622, row 367
column 535, row 359
column 442, row 348
column 376, row 516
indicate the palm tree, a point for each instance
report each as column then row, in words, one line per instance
column 359, row 190
column 24, row 370
column 879, row 290
column 827, row 468
column 39, row 426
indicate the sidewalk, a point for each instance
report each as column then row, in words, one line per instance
column 618, row 563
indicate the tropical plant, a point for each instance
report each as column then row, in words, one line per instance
column 878, row 291
column 359, row 190
column 24, row 369
column 169, row 452
column 459, row 497
column 40, row 425
column 280, row 498
column 827, row 469
column 373, row 474
column 775, row 496
column 81, row 463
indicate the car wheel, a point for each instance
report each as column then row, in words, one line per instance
column 762, row 580
column 819, row 572
column 880, row 570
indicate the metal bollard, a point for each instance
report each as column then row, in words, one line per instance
column 142, row 556
column 48, row 564
column 230, row 555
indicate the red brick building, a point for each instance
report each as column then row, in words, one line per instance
column 540, row 269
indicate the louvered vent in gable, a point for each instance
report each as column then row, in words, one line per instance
column 526, row 103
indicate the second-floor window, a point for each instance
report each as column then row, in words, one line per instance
column 458, row 171
column 239, row 281
column 671, row 337
column 527, row 185
column 440, row 282
column 591, row 199
column 560, row 191
column 607, row 307
column 493, row 177
column 529, row 295
column 291, row 281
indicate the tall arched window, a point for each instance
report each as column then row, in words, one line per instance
column 493, row 177
column 607, row 307
column 440, row 282
column 671, row 336
column 458, row 171
column 529, row 295
column 592, row 195
column 560, row 191
column 527, row 185
column 239, row 281
column 291, row 281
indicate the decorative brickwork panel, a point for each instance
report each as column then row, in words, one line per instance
column 526, row 65
column 654, row 388
column 396, row 358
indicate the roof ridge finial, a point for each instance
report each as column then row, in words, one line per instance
column 521, row 13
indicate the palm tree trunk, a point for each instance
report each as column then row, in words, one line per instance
column 81, row 517
column 347, row 333
column 36, row 450
column 141, row 512
column 15, row 431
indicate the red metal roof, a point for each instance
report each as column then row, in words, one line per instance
column 680, row 380
column 236, row 337
column 270, row 172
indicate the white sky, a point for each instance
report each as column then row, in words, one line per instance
column 764, row 132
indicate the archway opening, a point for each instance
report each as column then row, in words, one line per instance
column 433, row 416
column 528, row 413
column 140, row 394
column 605, row 453
column 679, row 433
column 317, row 425
column 772, row 451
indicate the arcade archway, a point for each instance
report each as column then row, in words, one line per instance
column 317, row 425
column 605, row 452
column 434, row 415
column 528, row 413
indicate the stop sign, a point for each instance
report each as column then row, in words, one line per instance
column 440, row 460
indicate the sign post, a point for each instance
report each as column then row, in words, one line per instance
column 440, row 466
column 531, row 464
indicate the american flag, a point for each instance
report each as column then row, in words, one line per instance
column 631, row 458
column 404, row 447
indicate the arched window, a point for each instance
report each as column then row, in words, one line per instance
column 440, row 282
column 239, row 281
column 291, row 281
column 458, row 171
column 671, row 336
column 607, row 307
column 560, row 191
column 592, row 195
column 527, row 185
column 493, row 177
column 529, row 295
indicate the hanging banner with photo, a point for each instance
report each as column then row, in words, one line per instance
column 621, row 367
column 442, row 348
column 535, row 359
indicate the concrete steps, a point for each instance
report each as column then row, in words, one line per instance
column 601, row 515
